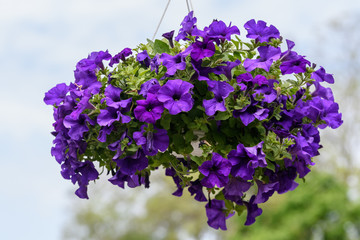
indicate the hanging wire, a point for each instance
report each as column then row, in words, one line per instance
column 162, row 17
column 192, row 8
column 187, row 4
column 189, row 7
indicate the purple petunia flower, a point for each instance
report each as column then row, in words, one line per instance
column 176, row 96
column 120, row 56
column 151, row 86
column 226, row 70
column 149, row 110
column 113, row 99
column 104, row 131
column 169, row 36
column 268, row 54
column 221, row 91
column 171, row 172
column 216, row 171
column 253, row 211
column 110, row 115
column 321, row 75
column 173, row 63
column 249, row 113
column 203, row 49
column 57, row 94
column 118, row 147
column 235, row 188
column 218, row 31
column 93, row 62
column 85, row 172
column 130, row 164
column 215, row 212
column 77, row 126
column 152, row 141
column 260, row 32
column 265, row 191
column 143, row 58
column 244, row 160
column 322, row 109
column 197, row 189
column 188, row 25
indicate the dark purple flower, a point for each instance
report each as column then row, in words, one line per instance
column 197, row 189
column 119, row 146
column 173, row 63
column 143, row 58
column 268, row 54
column 77, row 126
column 84, row 173
column 110, row 115
column 323, row 92
column 216, row 171
column 171, row 172
column 221, row 91
column 151, row 86
column 169, row 36
column 104, row 131
column 215, row 212
column 249, row 113
column 152, row 141
column 253, row 211
column 244, row 160
column 203, row 49
column 226, row 70
column 149, row 110
column 93, row 62
column 155, row 63
column 112, row 97
column 176, row 96
column 120, row 56
column 265, row 191
column 321, row 76
column 57, row 94
column 83, row 104
column 130, row 164
column 294, row 64
column 87, row 80
column 322, row 109
column 218, row 31
column 260, row 32
column 267, row 91
column 188, row 25
column 235, row 188
column 202, row 73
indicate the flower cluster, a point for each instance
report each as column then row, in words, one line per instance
column 251, row 110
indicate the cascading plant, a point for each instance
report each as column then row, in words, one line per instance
column 253, row 110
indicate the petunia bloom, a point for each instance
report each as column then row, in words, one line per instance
column 173, row 63
column 216, row 171
column 120, row 56
column 149, row 110
column 215, row 212
column 268, row 54
column 152, row 141
column 176, row 96
column 260, row 32
column 130, row 164
column 245, row 160
column 57, row 94
column 221, row 91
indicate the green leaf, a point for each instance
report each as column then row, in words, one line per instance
column 222, row 116
column 197, row 160
column 161, row 47
column 165, row 122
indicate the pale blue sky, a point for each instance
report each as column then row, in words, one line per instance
column 40, row 43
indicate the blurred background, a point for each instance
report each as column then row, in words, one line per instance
column 42, row 40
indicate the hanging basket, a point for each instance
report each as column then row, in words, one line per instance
column 225, row 117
